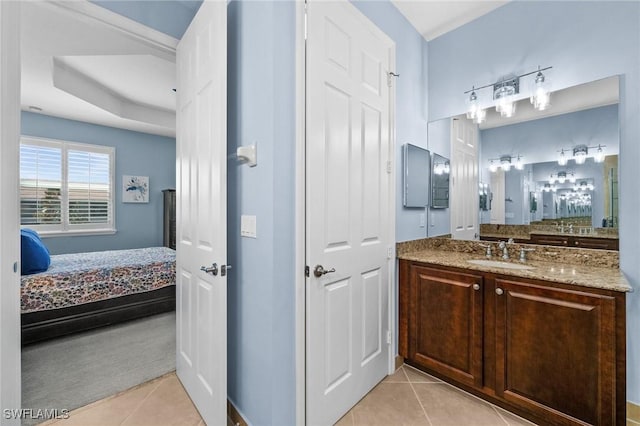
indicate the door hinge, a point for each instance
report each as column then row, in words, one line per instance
column 306, row 271
column 389, row 167
column 305, row 20
column 390, row 253
column 388, row 337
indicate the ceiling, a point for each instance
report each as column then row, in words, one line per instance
column 432, row 18
column 80, row 68
column 83, row 69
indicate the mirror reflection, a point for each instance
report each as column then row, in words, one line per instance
column 555, row 169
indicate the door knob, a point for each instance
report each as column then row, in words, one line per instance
column 213, row 269
column 319, row 271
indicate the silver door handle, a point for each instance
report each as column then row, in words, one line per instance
column 319, row 271
column 213, row 269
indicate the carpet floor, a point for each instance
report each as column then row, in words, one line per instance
column 74, row 371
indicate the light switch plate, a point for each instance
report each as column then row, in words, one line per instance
column 248, row 226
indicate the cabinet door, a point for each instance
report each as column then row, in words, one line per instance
column 556, row 349
column 445, row 323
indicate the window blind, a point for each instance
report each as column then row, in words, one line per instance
column 66, row 186
column 40, row 185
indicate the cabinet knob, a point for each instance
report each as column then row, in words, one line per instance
column 577, row 243
column 476, row 287
column 499, row 291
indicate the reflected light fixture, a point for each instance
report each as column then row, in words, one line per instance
column 503, row 93
column 562, row 177
column 599, row 156
column 562, row 159
column 580, row 153
column 505, row 163
column 540, row 93
column 474, row 111
column 572, row 178
column 493, row 167
column 519, row 163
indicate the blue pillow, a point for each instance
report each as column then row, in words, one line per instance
column 34, row 255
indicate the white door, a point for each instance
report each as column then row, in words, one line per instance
column 9, row 217
column 464, row 179
column 348, row 228
column 498, row 193
column 202, row 212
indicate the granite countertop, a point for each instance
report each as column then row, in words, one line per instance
column 606, row 278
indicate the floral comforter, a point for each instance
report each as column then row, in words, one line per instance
column 74, row 279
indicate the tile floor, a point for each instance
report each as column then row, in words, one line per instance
column 408, row 397
column 411, row 397
column 162, row 401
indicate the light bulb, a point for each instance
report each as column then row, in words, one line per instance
column 572, row 178
column 562, row 159
column 541, row 96
column 552, row 179
column 561, row 179
column 474, row 107
column 481, row 116
column 505, row 163
column 493, row 167
column 599, row 156
column 580, row 157
column 519, row 163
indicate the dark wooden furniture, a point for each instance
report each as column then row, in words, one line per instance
column 563, row 241
column 44, row 325
column 169, row 218
column 550, row 352
column 576, row 241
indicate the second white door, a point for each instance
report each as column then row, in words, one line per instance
column 349, row 236
column 464, row 179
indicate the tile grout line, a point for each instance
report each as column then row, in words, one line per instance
column 143, row 400
column 499, row 415
column 417, row 398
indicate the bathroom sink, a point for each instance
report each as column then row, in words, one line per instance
column 498, row 264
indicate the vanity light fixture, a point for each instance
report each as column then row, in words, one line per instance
column 562, row 159
column 580, row 153
column 504, row 95
column 562, row 177
column 599, row 155
column 540, row 93
column 519, row 163
column 493, row 167
column 505, row 162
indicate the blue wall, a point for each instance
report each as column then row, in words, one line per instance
column 261, row 305
column 138, row 225
column 411, row 107
column 168, row 16
column 583, row 41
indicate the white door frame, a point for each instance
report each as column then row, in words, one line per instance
column 160, row 44
column 300, row 217
column 10, row 368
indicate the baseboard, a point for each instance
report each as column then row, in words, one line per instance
column 633, row 412
column 399, row 361
column 234, row 415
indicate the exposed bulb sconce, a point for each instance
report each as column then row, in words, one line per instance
column 493, row 167
column 562, row 177
column 504, row 93
column 580, row 154
column 519, row 163
column 540, row 93
column 572, row 178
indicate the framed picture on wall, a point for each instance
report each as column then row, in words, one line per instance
column 135, row 189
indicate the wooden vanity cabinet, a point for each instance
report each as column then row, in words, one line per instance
column 551, row 352
column 575, row 241
column 446, row 323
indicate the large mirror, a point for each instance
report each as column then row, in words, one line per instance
column 557, row 167
column 417, row 165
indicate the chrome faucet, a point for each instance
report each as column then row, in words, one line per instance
column 505, row 252
column 523, row 253
column 489, row 253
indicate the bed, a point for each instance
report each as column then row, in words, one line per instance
column 88, row 290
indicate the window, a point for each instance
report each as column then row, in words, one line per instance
column 66, row 187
